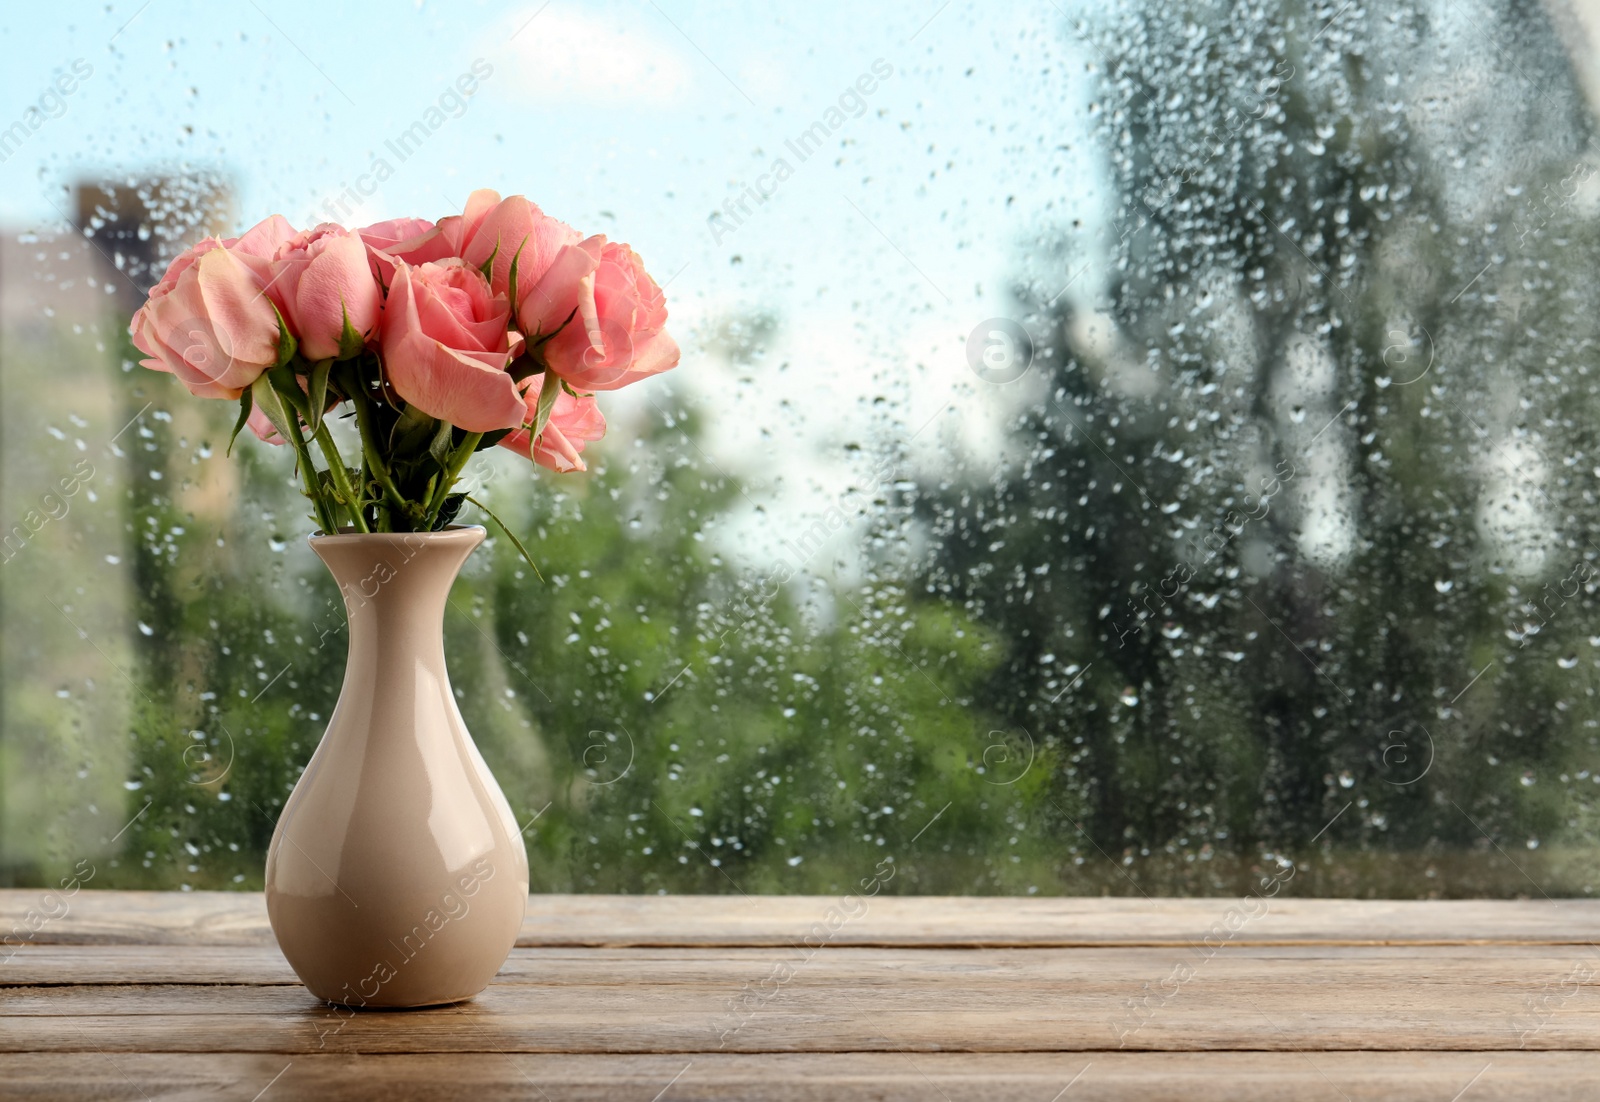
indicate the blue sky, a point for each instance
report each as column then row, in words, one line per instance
column 878, row 253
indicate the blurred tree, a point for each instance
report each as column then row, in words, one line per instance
column 1296, row 476
column 658, row 719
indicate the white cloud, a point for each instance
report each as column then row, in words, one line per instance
column 590, row 58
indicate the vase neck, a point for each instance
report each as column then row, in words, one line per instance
column 395, row 586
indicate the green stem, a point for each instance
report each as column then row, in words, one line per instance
column 341, row 477
column 452, row 471
column 379, row 512
column 308, row 474
column 374, row 459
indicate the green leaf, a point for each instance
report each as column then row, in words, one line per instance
column 512, row 286
column 287, row 346
column 330, row 487
column 448, row 511
column 287, row 383
column 512, row 536
column 523, row 367
column 386, row 389
column 487, row 267
column 317, row 399
column 412, row 431
column 443, row 444
column 273, row 405
column 246, row 403
column 490, row 439
column 351, row 343
column 547, row 401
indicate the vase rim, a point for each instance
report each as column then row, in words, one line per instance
column 450, row 534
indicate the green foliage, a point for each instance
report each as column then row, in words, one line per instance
column 1256, row 690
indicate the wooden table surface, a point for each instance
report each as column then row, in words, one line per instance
column 134, row 995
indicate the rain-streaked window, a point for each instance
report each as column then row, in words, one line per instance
column 1118, row 447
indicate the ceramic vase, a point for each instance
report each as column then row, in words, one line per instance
column 397, row 875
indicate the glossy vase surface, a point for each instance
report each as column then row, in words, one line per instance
column 397, row 875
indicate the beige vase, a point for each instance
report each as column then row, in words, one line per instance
column 396, row 875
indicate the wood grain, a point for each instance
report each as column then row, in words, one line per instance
column 983, row 1000
column 240, row 918
column 146, row 995
column 837, row 1077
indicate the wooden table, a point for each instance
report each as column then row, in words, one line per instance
column 132, row 995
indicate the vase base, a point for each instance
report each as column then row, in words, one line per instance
column 420, row 1004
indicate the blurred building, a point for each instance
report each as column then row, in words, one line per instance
column 69, row 417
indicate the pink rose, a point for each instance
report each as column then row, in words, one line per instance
column 446, row 348
column 386, row 235
column 507, row 229
column 321, row 278
column 616, row 334
column 264, row 428
column 262, row 240
column 551, row 301
column 414, row 240
column 209, row 320
column 573, row 422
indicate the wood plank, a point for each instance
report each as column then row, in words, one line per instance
column 847, row 1077
column 239, row 918
column 717, row 998
column 985, row 1000
column 122, row 965
column 125, row 964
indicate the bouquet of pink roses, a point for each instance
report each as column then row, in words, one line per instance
column 492, row 327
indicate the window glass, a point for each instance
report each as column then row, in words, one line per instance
column 1137, row 447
